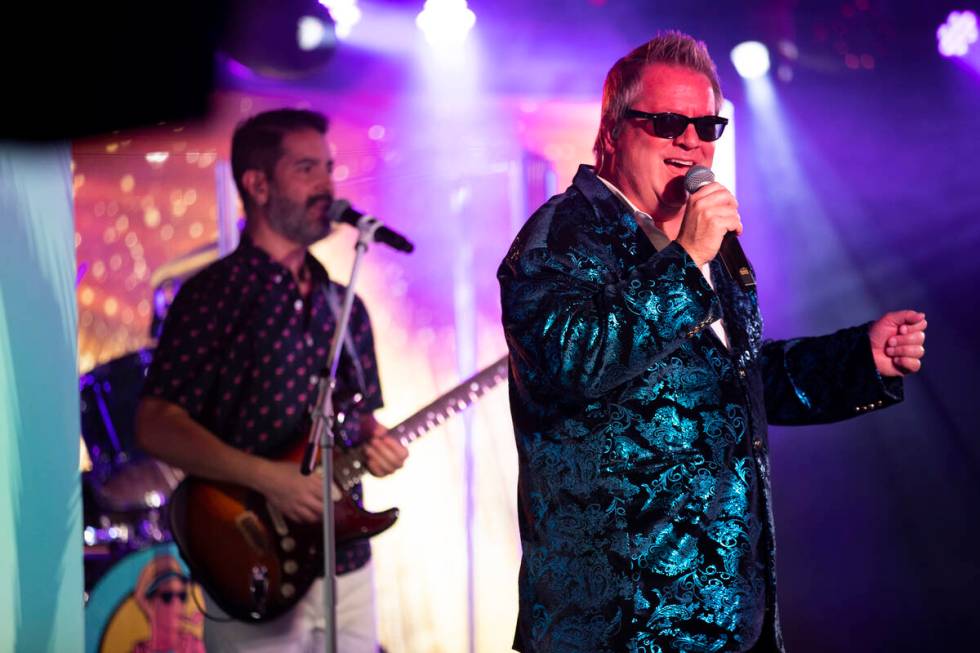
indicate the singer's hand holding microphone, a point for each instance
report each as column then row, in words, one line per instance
column 711, row 225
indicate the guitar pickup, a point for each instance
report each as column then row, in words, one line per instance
column 253, row 532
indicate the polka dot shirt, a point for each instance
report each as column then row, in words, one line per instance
column 242, row 352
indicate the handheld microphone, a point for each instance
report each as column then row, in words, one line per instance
column 731, row 253
column 341, row 211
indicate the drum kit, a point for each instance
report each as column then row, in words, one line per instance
column 124, row 491
column 127, row 542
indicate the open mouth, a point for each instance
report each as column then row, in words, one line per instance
column 679, row 164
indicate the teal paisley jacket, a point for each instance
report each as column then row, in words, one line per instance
column 644, row 493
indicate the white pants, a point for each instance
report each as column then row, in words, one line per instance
column 302, row 628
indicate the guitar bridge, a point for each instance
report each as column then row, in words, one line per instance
column 259, row 589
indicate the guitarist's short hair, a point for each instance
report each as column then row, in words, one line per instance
column 257, row 141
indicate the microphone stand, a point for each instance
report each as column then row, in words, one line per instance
column 321, row 440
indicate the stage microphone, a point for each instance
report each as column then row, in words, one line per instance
column 730, row 251
column 341, row 211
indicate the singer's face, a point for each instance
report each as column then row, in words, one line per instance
column 301, row 189
column 649, row 169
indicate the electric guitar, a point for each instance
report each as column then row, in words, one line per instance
column 255, row 563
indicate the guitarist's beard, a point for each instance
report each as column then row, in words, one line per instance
column 303, row 224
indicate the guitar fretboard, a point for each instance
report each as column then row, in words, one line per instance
column 349, row 468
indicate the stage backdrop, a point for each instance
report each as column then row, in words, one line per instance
column 40, row 505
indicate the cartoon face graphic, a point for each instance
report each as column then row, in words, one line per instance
column 161, row 611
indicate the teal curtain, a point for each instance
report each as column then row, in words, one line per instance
column 41, row 578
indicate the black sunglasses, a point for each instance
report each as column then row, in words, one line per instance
column 168, row 596
column 672, row 125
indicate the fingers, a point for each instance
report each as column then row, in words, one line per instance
column 303, row 509
column 908, row 365
column 915, row 338
column 909, row 351
column 714, row 188
column 914, row 327
column 718, row 206
column 305, row 514
column 316, row 489
column 301, row 497
column 713, row 195
column 908, row 318
column 309, row 503
column 385, row 455
column 711, row 213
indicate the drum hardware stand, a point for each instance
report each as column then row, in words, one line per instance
column 322, row 435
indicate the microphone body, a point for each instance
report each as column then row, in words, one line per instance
column 731, row 253
column 341, row 211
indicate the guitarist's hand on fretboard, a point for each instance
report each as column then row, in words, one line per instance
column 383, row 454
column 297, row 497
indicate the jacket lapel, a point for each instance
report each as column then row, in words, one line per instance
column 735, row 309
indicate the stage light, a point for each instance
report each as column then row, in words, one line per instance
column 957, row 34
column 751, row 59
column 345, row 14
column 280, row 38
column 445, row 22
column 310, row 33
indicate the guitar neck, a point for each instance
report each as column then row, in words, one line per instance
column 350, row 466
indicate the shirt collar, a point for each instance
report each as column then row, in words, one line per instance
column 657, row 237
column 258, row 257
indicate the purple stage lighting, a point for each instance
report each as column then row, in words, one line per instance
column 957, row 34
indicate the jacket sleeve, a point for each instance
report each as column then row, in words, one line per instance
column 824, row 379
column 576, row 329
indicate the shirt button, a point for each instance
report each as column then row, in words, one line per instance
column 309, row 340
column 298, row 305
column 314, row 379
column 277, row 278
column 757, row 444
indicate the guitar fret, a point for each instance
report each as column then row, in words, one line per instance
column 453, row 402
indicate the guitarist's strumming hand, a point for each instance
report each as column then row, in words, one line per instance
column 297, row 497
column 383, row 455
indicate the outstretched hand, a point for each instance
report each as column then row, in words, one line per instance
column 897, row 342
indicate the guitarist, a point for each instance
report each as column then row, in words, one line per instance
column 238, row 365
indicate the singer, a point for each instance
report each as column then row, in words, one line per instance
column 641, row 387
column 238, row 365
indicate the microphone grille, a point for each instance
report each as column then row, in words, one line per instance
column 337, row 210
column 697, row 177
